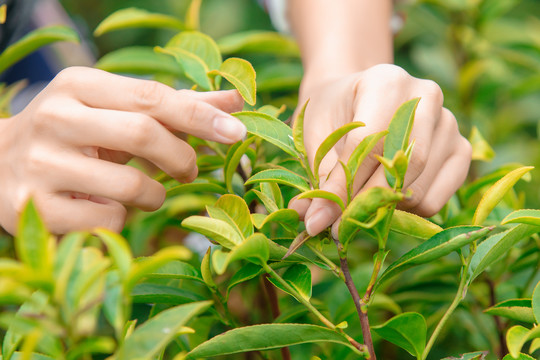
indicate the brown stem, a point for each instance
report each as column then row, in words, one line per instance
column 274, row 306
column 361, row 307
column 503, row 349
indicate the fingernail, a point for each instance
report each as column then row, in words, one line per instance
column 318, row 221
column 229, row 128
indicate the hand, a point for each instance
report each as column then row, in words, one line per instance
column 68, row 147
column 440, row 159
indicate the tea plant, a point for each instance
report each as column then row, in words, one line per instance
column 265, row 287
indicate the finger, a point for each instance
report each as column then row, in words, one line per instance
column 300, row 206
column 182, row 110
column 134, row 133
column 62, row 214
column 120, row 183
column 450, row 177
column 226, row 100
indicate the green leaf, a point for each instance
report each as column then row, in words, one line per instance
column 468, row 191
column 32, row 356
column 279, row 76
column 266, row 337
column 155, row 334
column 241, row 75
column 363, row 150
column 64, row 262
column 491, row 249
column 194, row 67
column 196, row 188
column 407, row 330
column 33, row 243
column 311, row 194
column 254, row 249
column 198, row 44
column 413, row 225
column 399, row 131
column 298, row 276
column 33, row 41
column 495, row 193
column 287, row 217
column 118, row 249
column 270, row 129
column 246, row 272
column 238, row 210
column 443, row 243
column 480, row 147
column 135, row 18
column 192, row 18
column 536, row 302
column 519, row 357
column 162, row 294
column 273, row 191
column 256, row 41
column 92, row 345
column 298, row 130
column 272, row 110
column 517, row 336
column 280, row 176
column 268, row 203
column 329, row 143
column 526, row 216
column 396, row 168
column 217, row 230
column 139, row 60
column 205, row 269
column 535, row 345
column 232, row 161
column 477, row 355
column 176, row 270
column 300, row 239
column 364, row 208
column 515, row 309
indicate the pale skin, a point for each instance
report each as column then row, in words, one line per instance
column 68, row 148
column 347, row 54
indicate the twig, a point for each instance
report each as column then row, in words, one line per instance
column 274, row 306
column 503, row 349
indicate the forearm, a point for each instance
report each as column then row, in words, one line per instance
column 341, row 36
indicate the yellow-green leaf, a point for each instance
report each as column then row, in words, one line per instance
column 217, row 230
column 241, row 74
column 135, row 18
column 198, row 44
column 194, row 67
column 480, row 147
column 311, row 194
column 413, row 225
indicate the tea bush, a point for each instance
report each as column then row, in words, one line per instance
column 393, row 285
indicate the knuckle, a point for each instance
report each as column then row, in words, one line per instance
column 428, row 209
column 141, row 131
column 419, row 158
column 68, row 76
column 389, row 73
column 46, row 115
column 37, row 162
column 432, row 91
column 148, row 95
column 133, row 185
column 117, row 218
column 192, row 111
column 188, row 166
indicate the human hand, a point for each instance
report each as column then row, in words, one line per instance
column 440, row 158
column 68, row 147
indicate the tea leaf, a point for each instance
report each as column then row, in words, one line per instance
column 413, row 225
column 526, row 216
column 270, row 129
column 495, row 246
column 297, row 242
column 176, row 270
column 495, row 193
column 192, row 19
column 515, row 309
column 134, row 18
column 520, row 356
column 217, row 230
column 198, row 44
column 399, row 131
column 266, row 337
column 535, row 345
column 280, row 176
column 287, row 217
column 363, row 150
column 232, row 161
column 194, row 67
column 268, row 203
column 253, row 249
column 471, row 189
column 536, row 303
column 298, row 276
column 329, row 143
column 407, row 330
column 480, row 147
column 155, row 334
column 443, row 243
column 163, row 294
column 33, row 243
column 139, row 60
column 274, row 192
column 298, row 131
column 364, row 208
column 33, row 41
column 64, row 262
column 272, row 110
column 312, row 194
column 196, row 188
column 118, row 249
column 478, row 355
column 256, row 41
column 205, row 269
column 238, row 210
column 93, row 345
column 241, row 74
column 517, row 336
column 247, row 272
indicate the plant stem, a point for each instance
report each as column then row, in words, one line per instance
column 460, row 295
column 503, row 349
column 274, row 306
column 361, row 306
column 312, row 178
column 333, row 267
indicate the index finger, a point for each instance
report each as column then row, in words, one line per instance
column 181, row 110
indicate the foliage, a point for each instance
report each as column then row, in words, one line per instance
column 458, row 282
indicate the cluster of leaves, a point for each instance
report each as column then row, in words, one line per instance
column 73, row 299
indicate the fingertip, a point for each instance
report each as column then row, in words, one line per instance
column 319, row 219
column 301, row 206
column 335, row 228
